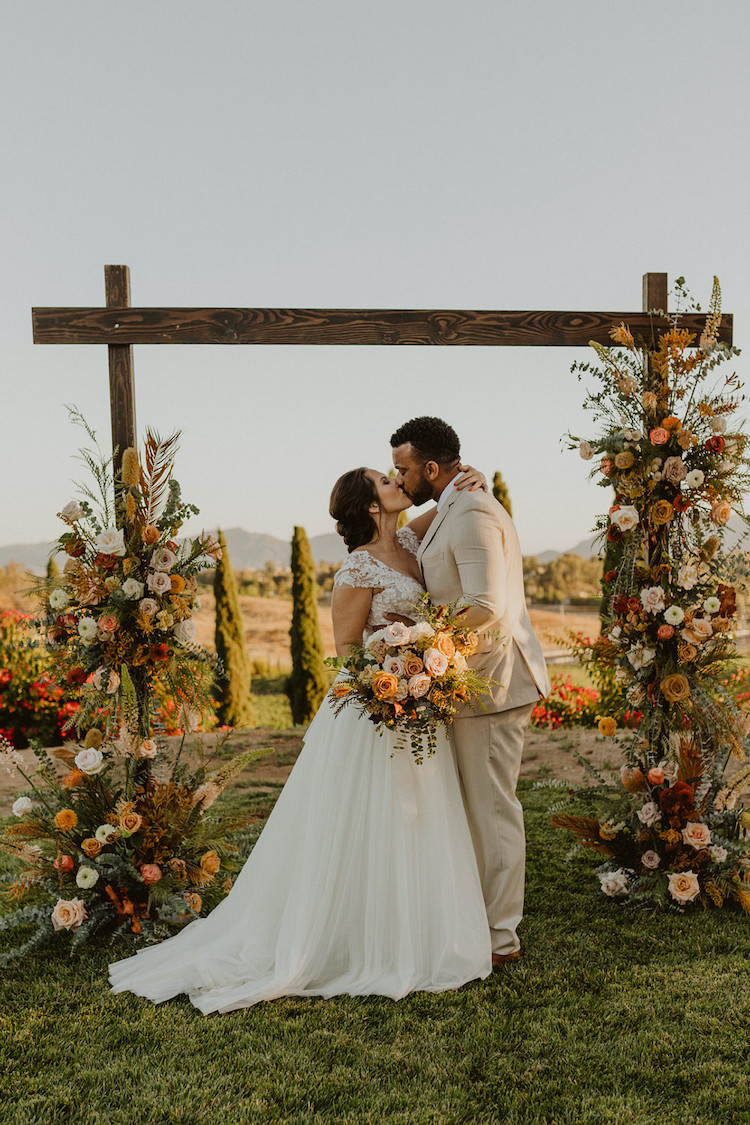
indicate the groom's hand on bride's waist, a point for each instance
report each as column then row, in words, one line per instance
column 398, row 617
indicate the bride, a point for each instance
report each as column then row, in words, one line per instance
column 364, row 879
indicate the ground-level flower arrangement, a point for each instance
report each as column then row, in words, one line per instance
column 673, row 827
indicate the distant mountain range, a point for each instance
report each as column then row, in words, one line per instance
column 252, row 550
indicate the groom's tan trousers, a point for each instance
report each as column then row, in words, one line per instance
column 487, row 750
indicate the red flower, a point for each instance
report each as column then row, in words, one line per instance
column 5, row 676
column 677, row 800
column 105, row 562
column 715, row 444
column 159, row 652
column 681, row 503
column 76, row 677
column 614, row 535
column 610, row 576
column 620, row 603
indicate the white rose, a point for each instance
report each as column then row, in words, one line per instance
column 196, row 603
column 614, row 883
column 148, row 607
column 402, row 691
column 684, row 886
column 718, row 424
column 68, row 914
column 422, row 631
column 712, row 605
column 397, row 633
column 86, row 877
column 673, row 615
column 111, row 541
column 87, row 629
column 159, row 582
column 652, row 599
column 615, row 635
column 373, row 639
column 91, row 761
column 435, row 662
column 394, row 665
column 639, row 657
column 106, row 833
column 21, row 806
column 649, row 814
column 147, row 749
column 163, row 559
column 106, row 680
column 717, row 853
column 697, row 834
column 184, row 631
column 687, row 576
column 132, row 588
column 695, row 478
column 459, row 662
column 650, row 859
column 586, row 450
column 72, row 511
column 625, row 518
column 58, row 599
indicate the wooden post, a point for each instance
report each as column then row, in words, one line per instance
column 121, row 381
column 655, row 292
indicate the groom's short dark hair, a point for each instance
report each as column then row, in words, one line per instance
column 432, row 439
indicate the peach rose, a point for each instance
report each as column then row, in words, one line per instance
column 658, row 436
column 655, row 775
column 721, row 510
column 91, row 847
column 698, row 631
column 419, row 685
column 108, row 623
column 210, row 863
column 684, row 886
column 674, row 470
column 665, row 632
column 471, row 643
column 150, row 535
column 435, row 662
column 68, row 914
column 412, row 664
column 66, row 820
column 697, row 834
column 397, row 633
column 675, row 688
column 607, row 465
column 106, row 680
column 662, row 512
column 151, row 873
column 147, row 749
column 443, row 642
column 626, row 518
column 385, row 686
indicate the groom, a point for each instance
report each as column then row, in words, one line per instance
column 471, row 553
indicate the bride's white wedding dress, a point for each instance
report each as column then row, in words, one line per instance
column 363, row 880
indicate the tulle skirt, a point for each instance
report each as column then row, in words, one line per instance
column 363, row 881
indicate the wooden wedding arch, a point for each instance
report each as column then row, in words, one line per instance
column 120, row 326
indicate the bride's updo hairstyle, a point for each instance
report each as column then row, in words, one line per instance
column 350, row 501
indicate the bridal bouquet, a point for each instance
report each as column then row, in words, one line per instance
column 128, row 590
column 411, row 679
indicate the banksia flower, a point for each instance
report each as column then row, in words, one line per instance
column 131, row 469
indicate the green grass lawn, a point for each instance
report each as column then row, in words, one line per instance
column 611, row 1016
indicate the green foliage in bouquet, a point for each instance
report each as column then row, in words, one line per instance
column 673, row 828
column 124, row 840
column 308, row 683
column 232, row 692
column 412, row 679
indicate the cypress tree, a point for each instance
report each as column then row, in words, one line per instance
column 500, row 492
column 232, row 692
column 53, row 570
column 308, row 682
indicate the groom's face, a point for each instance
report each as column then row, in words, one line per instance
column 411, row 476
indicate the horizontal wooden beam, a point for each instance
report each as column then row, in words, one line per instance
column 343, row 326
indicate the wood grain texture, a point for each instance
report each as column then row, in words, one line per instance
column 655, row 291
column 121, row 375
column 343, row 326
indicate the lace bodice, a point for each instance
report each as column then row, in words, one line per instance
column 393, row 592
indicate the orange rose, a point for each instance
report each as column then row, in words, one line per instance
column 151, row 534
column 91, row 847
column 662, row 512
column 130, row 822
column 444, row 643
column 675, row 688
column 210, row 863
column 412, row 665
column 658, row 436
column 74, row 778
column 385, row 686
column 177, row 582
column 66, row 820
column 671, row 423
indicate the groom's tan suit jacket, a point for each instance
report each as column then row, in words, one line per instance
column 471, row 554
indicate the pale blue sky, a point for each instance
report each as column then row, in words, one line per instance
column 406, row 154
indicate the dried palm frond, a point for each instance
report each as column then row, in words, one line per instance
column 158, row 461
column 586, row 828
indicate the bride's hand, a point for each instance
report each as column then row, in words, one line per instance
column 471, row 479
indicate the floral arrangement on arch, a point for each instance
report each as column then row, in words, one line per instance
column 128, row 589
column 412, row 678
column 673, row 829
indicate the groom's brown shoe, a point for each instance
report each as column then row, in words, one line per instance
column 499, row 959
